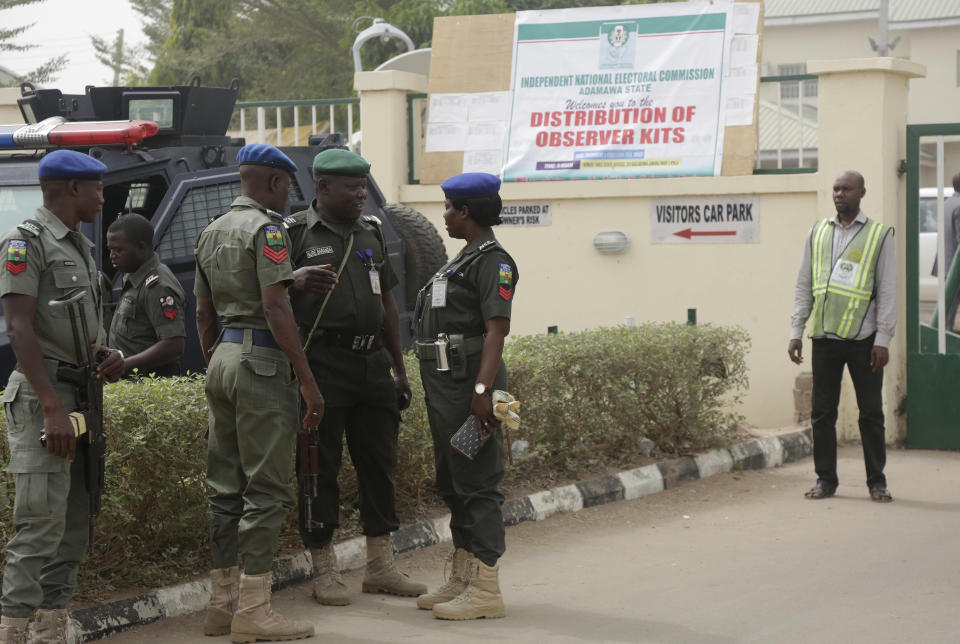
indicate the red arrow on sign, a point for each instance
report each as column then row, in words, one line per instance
column 688, row 233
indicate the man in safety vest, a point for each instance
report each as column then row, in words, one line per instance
column 847, row 288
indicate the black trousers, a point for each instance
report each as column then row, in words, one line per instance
column 829, row 359
column 361, row 406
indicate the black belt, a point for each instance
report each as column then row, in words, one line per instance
column 363, row 343
column 261, row 337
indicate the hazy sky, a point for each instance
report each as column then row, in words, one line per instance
column 65, row 27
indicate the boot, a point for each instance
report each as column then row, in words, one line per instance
column 482, row 597
column 328, row 586
column 382, row 575
column 224, row 588
column 49, row 626
column 463, row 565
column 255, row 620
column 13, row 630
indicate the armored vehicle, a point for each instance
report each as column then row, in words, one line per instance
column 179, row 173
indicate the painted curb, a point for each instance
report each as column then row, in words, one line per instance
column 91, row 624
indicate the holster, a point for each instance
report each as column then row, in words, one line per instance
column 458, row 357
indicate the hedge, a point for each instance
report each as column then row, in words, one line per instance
column 585, row 396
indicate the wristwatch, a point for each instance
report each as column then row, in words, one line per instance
column 480, row 389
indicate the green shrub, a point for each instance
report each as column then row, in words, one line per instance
column 586, row 397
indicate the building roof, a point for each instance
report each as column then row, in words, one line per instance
column 828, row 10
column 789, row 130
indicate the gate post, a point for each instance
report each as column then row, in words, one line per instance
column 862, row 126
column 383, row 119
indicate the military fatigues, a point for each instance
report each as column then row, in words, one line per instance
column 251, row 390
column 480, row 283
column 150, row 310
column 45, row 260
column 352, row 369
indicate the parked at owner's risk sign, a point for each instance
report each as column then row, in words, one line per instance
column 705, row 220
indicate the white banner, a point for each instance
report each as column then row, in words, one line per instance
column 614, row 92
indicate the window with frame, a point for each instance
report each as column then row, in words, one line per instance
column 791, row 89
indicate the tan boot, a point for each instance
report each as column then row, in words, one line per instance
column 482, row 597
column 224, row 588
column 463, row 566
column 49, row 626
column 328, row 586
column 13, row 630
column 382, row 575
column 255, row 620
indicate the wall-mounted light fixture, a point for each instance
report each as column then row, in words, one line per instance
column 611, row 242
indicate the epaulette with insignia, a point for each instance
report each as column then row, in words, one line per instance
column 273, row 214
column 151, row 280
column 490, row 244
column 293, row 220
column 372, row 219
column 31, row 227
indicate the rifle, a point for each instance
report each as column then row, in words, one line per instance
column 308, row 456
column 88, row 417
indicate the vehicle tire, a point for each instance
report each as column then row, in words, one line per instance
column 424, row 252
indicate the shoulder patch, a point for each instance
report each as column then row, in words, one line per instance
column 372, row 219
column 168, row 307
column 276, row 248
column 151, row 280
column 31, row 227
column 17, row 256
column 505, row 286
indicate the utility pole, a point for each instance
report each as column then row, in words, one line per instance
column 118, row 57
column 883, row 47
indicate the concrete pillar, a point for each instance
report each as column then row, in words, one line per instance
column 862, row 125
column 383, row 120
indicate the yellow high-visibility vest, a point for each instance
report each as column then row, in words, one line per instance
column 842, row 290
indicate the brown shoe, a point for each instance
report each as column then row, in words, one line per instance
column 820, row 491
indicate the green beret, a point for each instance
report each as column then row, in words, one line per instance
column 342, row 162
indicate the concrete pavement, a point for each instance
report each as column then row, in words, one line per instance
column 738, row 557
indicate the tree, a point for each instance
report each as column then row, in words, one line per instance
column 8, row 35
column 123, row 60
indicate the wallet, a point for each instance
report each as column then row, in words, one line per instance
column 467, row 439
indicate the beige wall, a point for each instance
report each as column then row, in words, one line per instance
column 9, row 111
column 564, row 281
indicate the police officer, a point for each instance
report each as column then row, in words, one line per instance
column 462, row 317
column 353, row 339
column 148, row 325
column 47, row 258
column 243, row 270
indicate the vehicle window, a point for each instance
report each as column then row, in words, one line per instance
column 199, row 206
column 18, row 203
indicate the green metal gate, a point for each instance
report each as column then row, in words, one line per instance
column 933, row 349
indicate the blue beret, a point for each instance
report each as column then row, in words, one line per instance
column 69, row 164
column 262, row 154
column 471, row 184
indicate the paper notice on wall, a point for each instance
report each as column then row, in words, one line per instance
column 490, row 161
column 446, row 137
column 489, row 106
column 487, row 135
column 741, row 80
column 745, row 17
column 743, row 50
column 448, row 108
column 739, row 110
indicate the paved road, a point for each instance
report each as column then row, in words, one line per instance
column 734, row 558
